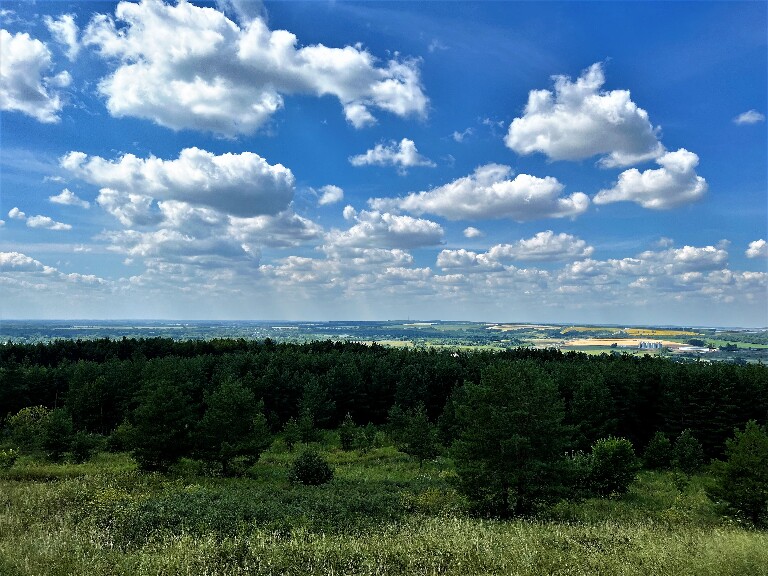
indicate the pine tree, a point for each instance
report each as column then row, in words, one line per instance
column 510, row 451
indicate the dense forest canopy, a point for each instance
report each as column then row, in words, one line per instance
column 103, row 383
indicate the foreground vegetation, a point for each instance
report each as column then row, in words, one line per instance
column 245, row 457
column 382, row 513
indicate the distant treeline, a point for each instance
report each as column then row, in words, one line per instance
column 103, row 383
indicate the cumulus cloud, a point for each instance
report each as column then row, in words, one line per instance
column 25, row 88
column 384, row 230
column 489, row 193
column 69, row 198
column 543, row 246
column 466, row 261
column 47, row 223
column 23, row 272
column 674, row 184
column 283, row 230
column 579, row 121
column 239, row 184
column 184, row 66
column 16, row 214
column 472, row 232
column 330, row 194
column 757, row 249
column 64, row 31
column 749, row 117
column 403, row 155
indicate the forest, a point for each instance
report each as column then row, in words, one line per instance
column 148, row 441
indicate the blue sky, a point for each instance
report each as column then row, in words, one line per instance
column 501, row 161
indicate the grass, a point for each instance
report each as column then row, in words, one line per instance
column 382, row 514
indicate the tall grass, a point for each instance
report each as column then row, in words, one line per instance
column 381, row 515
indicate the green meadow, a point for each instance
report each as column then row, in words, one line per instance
column 383, row 513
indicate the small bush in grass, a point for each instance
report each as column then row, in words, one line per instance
column 310, row 468
column 7, row 458
column 613, row 466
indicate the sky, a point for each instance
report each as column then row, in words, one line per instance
column 577, row 162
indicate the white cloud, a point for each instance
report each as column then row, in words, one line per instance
column 579, row 121
column 64, row 31
column 403, row 155
column 239, row 184
column 2, row 222
column 129, row 209
column 16, row 214
column 23, row 63
column 466, row 261
column 472, row 232
column 330, row 194
column 488, row 193
column 384, row 230
column 283, row 230
column 543, row 246
column 185, row 66
column 672, row 185
column 460, row 136
column 69, row 198
column 47, row 223
column 21, row 274
column 749, row 117
column 757, row 249
column 21, row 262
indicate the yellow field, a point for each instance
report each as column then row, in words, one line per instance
column 620, row 342
column 654, row 332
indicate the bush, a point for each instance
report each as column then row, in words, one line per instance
column 311, row 469
column 7, row 458
column 658, row 453
column 613, row 466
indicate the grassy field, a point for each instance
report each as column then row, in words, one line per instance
column 381, row 515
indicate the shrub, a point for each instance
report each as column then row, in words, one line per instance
column 613, row 466
column 7, row 458
column 658, row 453
column 311, row 469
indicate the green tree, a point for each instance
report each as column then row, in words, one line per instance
column 161, row 425
column 510, row 451
column 347, row 433
column 613, row 466
column 233, row 427
column 744, row 475
column 418, row 438
column 57, row 433
column 291, row 433
column 687, row 454
column 658, row 453
column 27, row 429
